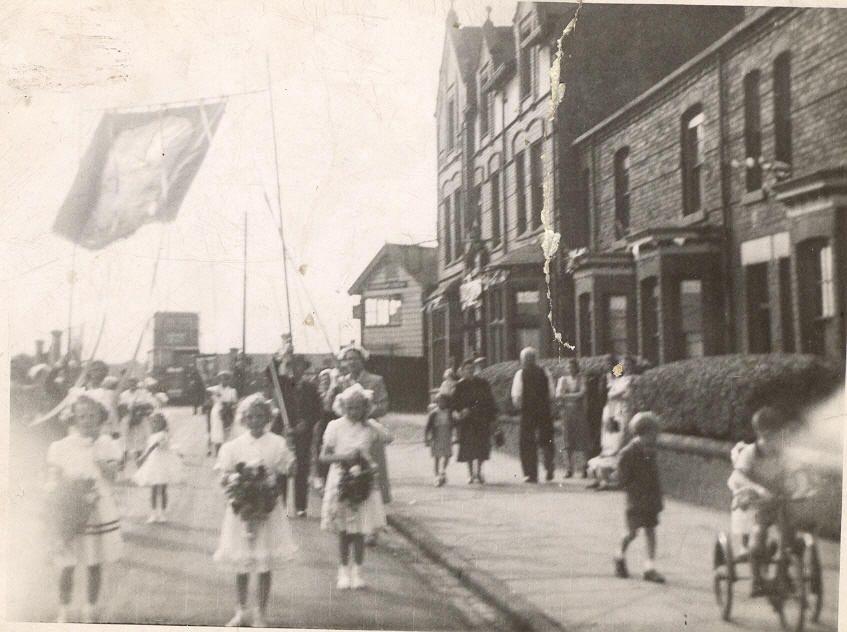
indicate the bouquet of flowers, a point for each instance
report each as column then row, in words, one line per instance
column 70, row 504
column 252, row 494
column 356, row 481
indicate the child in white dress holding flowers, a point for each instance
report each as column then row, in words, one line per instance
column 347, row 441
column 82, row 537
column 255, row 546
column 160, row 466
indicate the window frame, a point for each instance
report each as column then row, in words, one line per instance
column 782, row 107
column 496, row 225
column 448, row 230
column 458, row 225
column 622, row 191
column 388, row 299
column 521, row 223
column 753, row 130
column 536, row 183
column 692, row 165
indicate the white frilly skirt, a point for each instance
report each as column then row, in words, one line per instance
column 269, row 547
column 366, row 518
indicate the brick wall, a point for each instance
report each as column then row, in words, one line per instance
column 817, row 42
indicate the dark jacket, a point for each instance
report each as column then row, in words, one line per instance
column 638, row 470
column 535, row 400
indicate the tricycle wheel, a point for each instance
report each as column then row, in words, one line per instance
column 814, row 576
column 789, row 596
column 723, row 575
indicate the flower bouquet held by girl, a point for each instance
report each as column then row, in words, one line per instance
column 355, row 482
column 252, row 494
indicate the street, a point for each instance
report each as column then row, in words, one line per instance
column 553, row 545
column 168, row 576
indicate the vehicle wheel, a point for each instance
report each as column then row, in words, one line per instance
column 814, row 577
column 790, row 598
column 723, row 575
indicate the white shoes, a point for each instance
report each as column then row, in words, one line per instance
column 237, row 620
column 356, row 581
column 154, row 517
column 161, row 516
column 62, row 616
column 343, row 578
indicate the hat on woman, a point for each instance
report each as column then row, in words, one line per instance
column 354, row 347
column 224, row 372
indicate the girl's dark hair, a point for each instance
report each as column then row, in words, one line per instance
column 160, row 418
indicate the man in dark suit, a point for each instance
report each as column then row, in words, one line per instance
column 303, row 406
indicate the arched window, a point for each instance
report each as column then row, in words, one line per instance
column 692, row 159
column 621, row 192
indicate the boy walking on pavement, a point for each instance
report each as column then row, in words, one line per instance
column 638, row 472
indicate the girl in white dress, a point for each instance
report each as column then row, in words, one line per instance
column 86, row 454
column 161, row 466
column 345, row 441
column 271, row 544
column 223, row 395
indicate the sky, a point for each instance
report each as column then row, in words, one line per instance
column 353, row 87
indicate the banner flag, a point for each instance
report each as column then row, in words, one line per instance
column 137, row 170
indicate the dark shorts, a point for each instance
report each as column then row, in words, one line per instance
column 641, row 518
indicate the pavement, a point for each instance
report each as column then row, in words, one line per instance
column 168, row 575
column 543, row 553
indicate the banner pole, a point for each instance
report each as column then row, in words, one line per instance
column 279, row 202
column 244, row 295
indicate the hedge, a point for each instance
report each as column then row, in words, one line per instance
column 712, row 397
column 715, row 397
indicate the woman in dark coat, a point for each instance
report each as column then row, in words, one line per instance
column 476, row 410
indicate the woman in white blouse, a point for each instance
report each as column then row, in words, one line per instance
column 271, row 545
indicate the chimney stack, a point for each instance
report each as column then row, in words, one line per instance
column 56, row 346
column 39, row 351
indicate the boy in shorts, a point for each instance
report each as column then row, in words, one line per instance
column 759, row 471
column 638, row 472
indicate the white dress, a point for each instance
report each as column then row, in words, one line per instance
column 617, row 410
column 163, row 465
column 220, row 394
column 273, row 544
column 135, row 437
column 75, row 457
column 344, row 435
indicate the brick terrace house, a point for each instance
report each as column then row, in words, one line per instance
column 716, row 200
column 494, row 132
column 392, row 288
